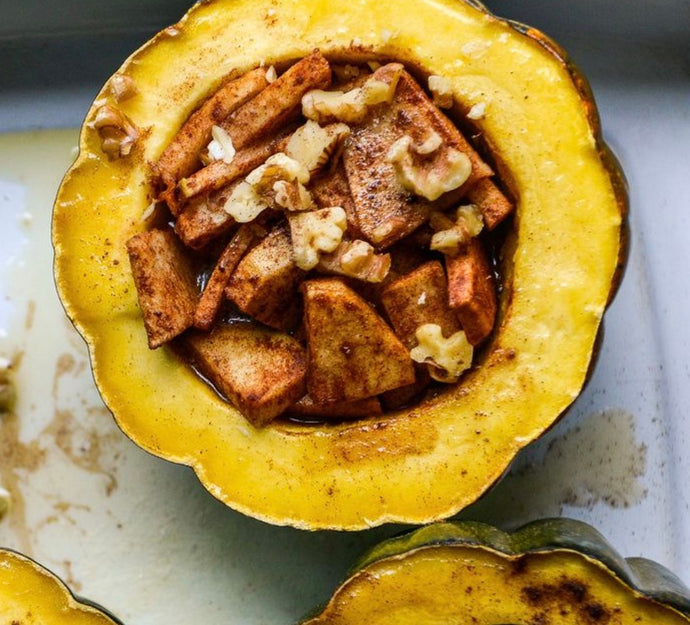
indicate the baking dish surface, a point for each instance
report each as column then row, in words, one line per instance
column 142, row 537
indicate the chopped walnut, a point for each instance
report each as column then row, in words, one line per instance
column 118, row 134
column 358, row 256
column 324, row 106
column 292, row 195
column 280, row 166
column 447, row 357
column 244, row 204
column 478, row 111
column 352, row 106
column 315, row 146
column 432, row 143
column 471, row 219
column 451, row 236
column 221, row 147
column 447, row 172
column 441, row 91
column 315, row 232
column 122, row 87
column 447, row 241
column 356, row 259
column 279, row 182
column 376, row 91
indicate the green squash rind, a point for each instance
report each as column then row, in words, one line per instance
column 645, row 577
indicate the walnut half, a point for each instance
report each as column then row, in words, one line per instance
column 118, row 134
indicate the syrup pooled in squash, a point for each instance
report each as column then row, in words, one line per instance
column 344, row 217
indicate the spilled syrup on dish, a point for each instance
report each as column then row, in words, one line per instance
column 598, row 461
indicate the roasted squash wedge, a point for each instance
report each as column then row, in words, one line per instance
column 30, row 593
column 560, row 262
column 552, row 571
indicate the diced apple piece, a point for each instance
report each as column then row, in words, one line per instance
column 408, row 255
column 260, row 371
column 204, row 219
column 353, row 353
column 218, row 174
column 472, row 291
column 417, row 298
column 280, row 103
column 359, row 408
column 265, row 283
column 214, row 293
column 181, row 156
column 165, row 284
column 386, row 211
column 331, row 189
column 491, row 201
column 409, row 394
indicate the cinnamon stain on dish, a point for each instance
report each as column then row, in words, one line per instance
column 69, row 577
column 82, row 447
column 17, row 458
column 598, row 461
column 50, row 425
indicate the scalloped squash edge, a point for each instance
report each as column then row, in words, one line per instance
column 562, row 261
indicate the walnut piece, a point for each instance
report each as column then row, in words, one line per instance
column 447, row 172
column 122, row 87
column 314, row 232
column 441, row 91
column 352, row 106
column 356, row 259
column 221, row 148
column 451, row 236
column 118, row 134
column 278, row 182
column 448, row 357
column 314, row 146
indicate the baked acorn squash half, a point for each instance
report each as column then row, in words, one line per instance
column 559, row 263
column 550, row 571
column 29, row 593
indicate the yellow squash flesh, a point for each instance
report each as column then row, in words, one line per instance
column 554, row 571
column 30, row 594
column 417, row 465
